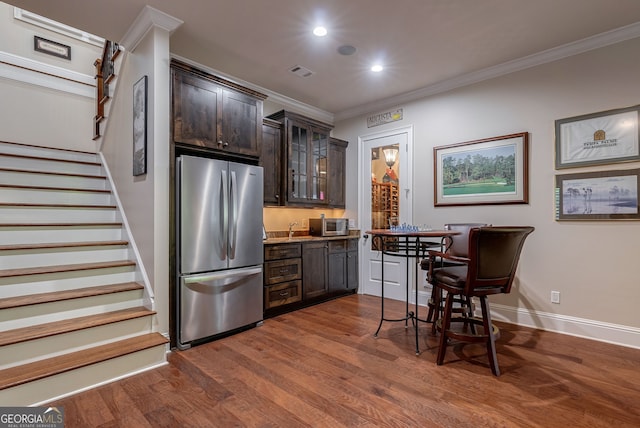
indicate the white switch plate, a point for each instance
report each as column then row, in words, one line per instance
column 555, row 297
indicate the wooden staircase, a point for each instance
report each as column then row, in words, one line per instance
column 73, row 312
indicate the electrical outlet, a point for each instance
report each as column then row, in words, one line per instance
column 305, row 223
column 555, row 297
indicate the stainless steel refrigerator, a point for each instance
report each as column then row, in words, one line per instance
column 219, row 248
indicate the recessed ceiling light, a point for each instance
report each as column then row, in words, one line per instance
column 376, row 68
column 320, row 31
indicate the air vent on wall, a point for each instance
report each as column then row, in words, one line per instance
column 301, row 71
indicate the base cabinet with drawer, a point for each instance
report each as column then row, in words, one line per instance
column 282, row 275
column 302, row 274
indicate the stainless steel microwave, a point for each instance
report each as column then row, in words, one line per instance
column 328, row 226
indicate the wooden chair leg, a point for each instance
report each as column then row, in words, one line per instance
column 436, row 302
column 491, row 340
column 446, row 325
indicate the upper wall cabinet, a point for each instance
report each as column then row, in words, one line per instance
column 271, row 161
column 307, row 154
column 336, row 172
column 211, row 112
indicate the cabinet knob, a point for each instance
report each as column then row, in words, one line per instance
column 223, row 144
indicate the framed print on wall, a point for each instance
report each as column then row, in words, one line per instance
column 140, row 126
column 482, row 172
column 600, row 195
column 598, row 138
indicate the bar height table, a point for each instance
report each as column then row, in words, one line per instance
column 407, row 244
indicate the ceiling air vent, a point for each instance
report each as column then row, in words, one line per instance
column 301, row 71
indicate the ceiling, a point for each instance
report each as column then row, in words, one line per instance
column 422, row 43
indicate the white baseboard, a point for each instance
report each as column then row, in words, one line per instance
column 616, row 334
column 589, row 329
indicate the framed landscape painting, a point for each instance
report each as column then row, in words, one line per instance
column 482, row 172
column 601, row 195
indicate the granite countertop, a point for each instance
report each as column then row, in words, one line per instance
column 353, row 234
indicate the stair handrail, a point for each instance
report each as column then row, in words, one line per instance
column 105, row 72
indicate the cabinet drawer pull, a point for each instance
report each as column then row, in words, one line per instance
column 284, row 293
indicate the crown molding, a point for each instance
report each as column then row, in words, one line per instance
column 611, row 37
column 148, row 18
column 286, row 102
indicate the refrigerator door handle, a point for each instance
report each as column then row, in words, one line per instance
column 224, row 213
column 236, row 273
column 233, row 208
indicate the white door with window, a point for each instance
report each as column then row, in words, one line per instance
column 385, row 189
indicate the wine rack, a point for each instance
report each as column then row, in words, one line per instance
column 384, row 205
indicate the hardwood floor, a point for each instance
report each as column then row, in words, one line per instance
column 322, row 367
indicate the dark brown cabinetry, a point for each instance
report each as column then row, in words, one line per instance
column 271, row 161
column 211, row 112
column 309, row 173
column 314, row 268
column 343, row 265
column 282, row 275
column 302, row 274
column 336, row 172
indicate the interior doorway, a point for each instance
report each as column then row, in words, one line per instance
column 385, row 189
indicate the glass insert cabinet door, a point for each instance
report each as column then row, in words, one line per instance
column 308, row 164
column 298, row 163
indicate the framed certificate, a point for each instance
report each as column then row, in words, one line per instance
column 599, row 138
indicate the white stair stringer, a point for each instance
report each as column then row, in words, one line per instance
column 66, row 255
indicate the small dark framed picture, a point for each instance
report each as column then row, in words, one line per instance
column 140, row 126
column 51, row 48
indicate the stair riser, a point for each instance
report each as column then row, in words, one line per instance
column 27, row 315
column 35, row 196
column 51, row 180
column 32, row 284
column 50, row 165
column 33, row 235
column 18, row 149
column 16, row 214
column 31, row 259
column 48, row 389
column 27, row 352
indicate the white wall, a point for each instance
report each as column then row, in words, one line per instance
column 594, row 265
column 145, row 198
column 43, row 95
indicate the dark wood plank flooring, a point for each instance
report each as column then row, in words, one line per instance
column 321, row 367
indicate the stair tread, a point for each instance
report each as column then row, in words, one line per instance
column 39, row 331
column 64, row 189
column 56, row 296
column 52, row 245
column 65, row 174
column 13, row 155
column 19, row 375
column 58, row 149
column 76, row 224
column 7, row 273
column 33, row 205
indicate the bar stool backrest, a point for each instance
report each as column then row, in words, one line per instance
column 458, row 245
